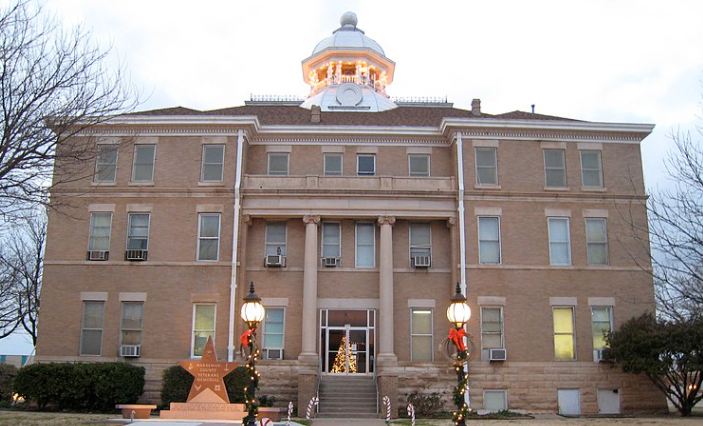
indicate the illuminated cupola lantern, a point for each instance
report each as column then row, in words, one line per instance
column 348, row 71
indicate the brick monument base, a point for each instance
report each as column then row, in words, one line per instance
column 204, row 411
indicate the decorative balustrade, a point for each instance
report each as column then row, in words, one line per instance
column 351, row 183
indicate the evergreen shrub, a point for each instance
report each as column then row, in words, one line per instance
column 80, row 387
column 7, row 375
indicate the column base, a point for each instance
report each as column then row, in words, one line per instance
column 388, row 386
column 307, row 388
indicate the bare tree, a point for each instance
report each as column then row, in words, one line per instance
column 676, row 232
column 54, row 84
column 21, row 268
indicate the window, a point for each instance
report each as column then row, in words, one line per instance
column 597, row 241
column 421, row 335
column 591, row 169
column 106, row 163
column 564, row 341
column 143, row 167
column 92, row 328
column 420, row 241
column 419, row 165
column 366, row 165
column 132, row 314
column 203, row 327
column 489, row 240
column 486, row 166
column 276, row 238
column 602, row 324
column 333, row 164
column 100, row 224
column 554, row 168
column 365, row 245
column 495, row 400
column 208, row 236
column 138, row 233
column 273, row 329
column 213, row 163
column 331, row 240
column 278, row 164
column 491, row 329
column 559, row 245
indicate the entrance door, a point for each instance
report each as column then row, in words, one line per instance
column 347, row 341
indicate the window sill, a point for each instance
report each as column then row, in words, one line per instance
column 561, row 266
column 486, row 186
column 103, row 183
column 557, row 188
column 594, row 189
column 604, row 266
column 218, row 183
column 141, row 183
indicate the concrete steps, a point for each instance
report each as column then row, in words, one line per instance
column 347, row 397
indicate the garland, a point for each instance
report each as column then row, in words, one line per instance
column 252, row 403
column 462, row 357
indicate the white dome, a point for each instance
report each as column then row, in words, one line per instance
column 348, row 37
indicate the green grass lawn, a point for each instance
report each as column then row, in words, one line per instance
column 28, row 418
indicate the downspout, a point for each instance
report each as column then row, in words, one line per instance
column 235, row 238
column 462, row 236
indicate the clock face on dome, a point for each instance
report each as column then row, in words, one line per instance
column 349, row 94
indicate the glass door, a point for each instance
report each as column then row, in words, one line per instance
column 347, row 348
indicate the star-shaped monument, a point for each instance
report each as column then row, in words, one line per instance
column 208, row 386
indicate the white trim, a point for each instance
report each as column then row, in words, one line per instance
column 274, row 301
column 557, row 212
column 491, row 300
column 346, row 303
column 595, row 213
column 192, row 328
column 601, row 301
column 356, row 244
column 430, row 334
column 422, row 303
column 562, row 301
column 101, row 208
column 332, row 149
column 488, row 211
column 219, row 236
column 132, row 297
column 94, row 296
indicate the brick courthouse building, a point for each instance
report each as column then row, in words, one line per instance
column 355, row 215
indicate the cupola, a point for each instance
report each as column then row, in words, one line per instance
column 348, row 71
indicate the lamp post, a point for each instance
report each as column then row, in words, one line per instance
column 459, row 313
column 252, row 313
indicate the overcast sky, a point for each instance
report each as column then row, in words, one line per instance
column 638, row 61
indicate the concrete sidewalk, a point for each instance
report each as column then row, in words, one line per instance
column 316, row 422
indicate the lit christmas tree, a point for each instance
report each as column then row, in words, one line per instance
column 340, row 361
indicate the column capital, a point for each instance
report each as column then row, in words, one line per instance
column 247, row 219
column 451, row 222
column 308, row 219
column 383, row 220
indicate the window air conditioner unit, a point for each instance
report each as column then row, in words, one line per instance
column 136, row 255
column 98, row 254
column 330, row 262
column 275, row 260
column 273, row 353
column 421, row 261
column 130, row 351
column 497, row 355
column 599, row 354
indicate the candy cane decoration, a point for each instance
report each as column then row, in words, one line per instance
column 313, row 401
column 290, row 411
column 387, row 403
column 411, row 413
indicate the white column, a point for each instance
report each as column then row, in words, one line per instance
column 310, row 287
column 385, row 340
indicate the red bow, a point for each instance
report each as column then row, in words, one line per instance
column 457, row 336
column 246, row 336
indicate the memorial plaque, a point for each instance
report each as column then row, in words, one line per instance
column 208, row 385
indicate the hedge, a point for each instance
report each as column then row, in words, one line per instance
column 177, row 382
column 7, row 376
column 80, row 387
